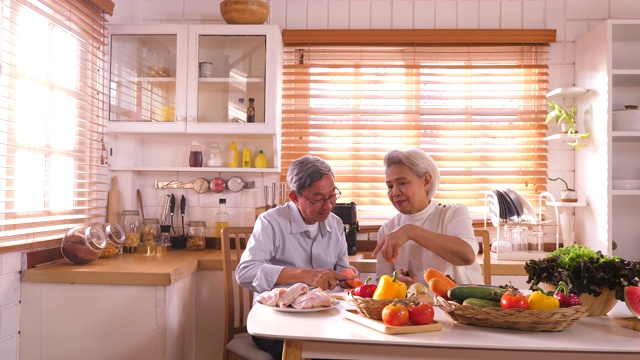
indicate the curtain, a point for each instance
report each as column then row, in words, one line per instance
column 472, row 99
column 53, row 97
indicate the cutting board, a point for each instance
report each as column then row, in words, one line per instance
column 387, row 329
column 632, row 323
column 113, row 202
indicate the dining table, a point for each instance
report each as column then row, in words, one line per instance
column 328, row 334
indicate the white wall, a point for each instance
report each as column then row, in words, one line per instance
column 571, row 18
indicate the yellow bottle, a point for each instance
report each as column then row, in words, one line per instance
column 232, row 155
column 246, row 158
column 261, row 160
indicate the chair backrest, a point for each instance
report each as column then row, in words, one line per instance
column 237, row 300
column 486, row 253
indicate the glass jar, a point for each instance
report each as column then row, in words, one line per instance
column 215, row 155
column 132, row 226
column 83, row 244
column 195, row 155
column 150, row 231
column 196, row 235
column 115, row 239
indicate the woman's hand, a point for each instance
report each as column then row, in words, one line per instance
column 390, row 244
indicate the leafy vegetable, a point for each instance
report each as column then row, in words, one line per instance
column 584, row 270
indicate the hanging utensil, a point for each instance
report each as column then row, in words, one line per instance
column 165, row 211
column 140, row 202
column 172, row 210
column 283, row 194
column 183, row 208
column 274, row 191
column 266, row 198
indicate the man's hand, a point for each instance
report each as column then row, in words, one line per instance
column 325, row 279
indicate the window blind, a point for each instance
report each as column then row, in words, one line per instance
column 52, row 116
column 472, row 101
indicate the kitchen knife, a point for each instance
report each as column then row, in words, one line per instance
column 274, row 191
column 266, row 198
column 283, row 193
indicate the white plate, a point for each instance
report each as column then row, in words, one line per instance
column 294, row 310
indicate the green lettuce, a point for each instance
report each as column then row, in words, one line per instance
column 584, row 270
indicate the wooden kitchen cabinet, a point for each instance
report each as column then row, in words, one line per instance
column 607, row 62
column 161, row 100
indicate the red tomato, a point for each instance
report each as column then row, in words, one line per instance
column 514, row 300
column 420, row 313
column 395, row 314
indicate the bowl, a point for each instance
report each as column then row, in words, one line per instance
column 244, row 11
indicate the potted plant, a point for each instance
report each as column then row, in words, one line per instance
column 567, row 121
column 599, row 280
column 568, row 194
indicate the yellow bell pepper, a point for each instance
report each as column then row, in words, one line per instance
column 390, row 288
column 539, row 300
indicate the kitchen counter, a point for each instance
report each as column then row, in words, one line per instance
column 173, row 266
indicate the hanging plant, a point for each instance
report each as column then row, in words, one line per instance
column 567, row 121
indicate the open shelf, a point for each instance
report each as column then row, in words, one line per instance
column 566, row 92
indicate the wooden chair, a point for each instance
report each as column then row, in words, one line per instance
column 238, row 300
column 486, row 253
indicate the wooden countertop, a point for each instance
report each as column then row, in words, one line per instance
column 170, row 267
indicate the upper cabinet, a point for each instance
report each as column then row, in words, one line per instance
column 195, row 78
column 204, row 83
column 607, row 62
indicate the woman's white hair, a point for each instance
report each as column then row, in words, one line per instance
column 419, row 162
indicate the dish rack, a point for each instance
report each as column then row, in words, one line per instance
column 500, row 220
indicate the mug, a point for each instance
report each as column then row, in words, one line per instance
column 206, row 69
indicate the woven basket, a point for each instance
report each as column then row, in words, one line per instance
column 244, row 11
column 518, row 319
column 373, row 308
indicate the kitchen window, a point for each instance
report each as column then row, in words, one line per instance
column 472, row 99
column 52, row 94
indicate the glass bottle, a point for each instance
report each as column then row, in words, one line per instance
column 215, row 155
column 251, row 111
column 232, row 155
column 83, row 244
column 222, row 218
column 115, row 239
column 132, row 225
column 195, row 155
column 196, row 239
column 150, row 231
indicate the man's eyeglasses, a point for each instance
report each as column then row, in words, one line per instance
column 319, row 202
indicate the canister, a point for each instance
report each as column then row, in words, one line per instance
column 115, row 239
column 206, row 69
column 151, row 231
column 196, row 235
column 83, row 244
column 132, row 225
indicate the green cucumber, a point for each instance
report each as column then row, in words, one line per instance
column 480, row 302
column 460, row 293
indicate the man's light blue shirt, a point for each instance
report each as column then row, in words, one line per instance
column 281, row 239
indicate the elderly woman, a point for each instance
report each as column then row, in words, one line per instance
column 425, row 234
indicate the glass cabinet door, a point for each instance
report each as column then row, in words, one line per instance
column 147, row 77
column 231, row 78
column 143, row 78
